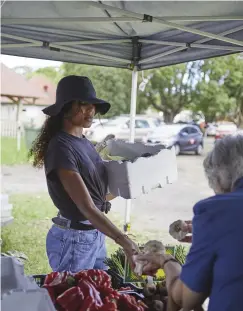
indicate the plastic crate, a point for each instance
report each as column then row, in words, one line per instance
column 27, row 300
column 39, row 279
column 118, row 282
column 13, row 277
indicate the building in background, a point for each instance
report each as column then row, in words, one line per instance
column 22, row 101
column 33, row 114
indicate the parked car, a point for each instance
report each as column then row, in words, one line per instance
column 95, row 123
column 225, row 128
column 119, row 127
column 183, row 137
column 211, row 129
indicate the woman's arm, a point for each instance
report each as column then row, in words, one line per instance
column 179, row 294
column 75, row 187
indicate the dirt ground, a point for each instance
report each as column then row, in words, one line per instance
column 151, row 212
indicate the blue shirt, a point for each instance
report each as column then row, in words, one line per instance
column 69, row 152
column 214, row 264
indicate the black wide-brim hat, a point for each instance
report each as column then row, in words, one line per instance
column 78, row 88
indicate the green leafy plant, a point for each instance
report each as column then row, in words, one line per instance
column 180, row 254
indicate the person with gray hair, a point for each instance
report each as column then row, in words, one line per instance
column 213, row 265
column 224, row 164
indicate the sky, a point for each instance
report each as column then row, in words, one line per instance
column 14, row 61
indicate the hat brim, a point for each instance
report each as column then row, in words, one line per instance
column 102, row 106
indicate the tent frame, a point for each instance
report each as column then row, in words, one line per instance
column 132, row 17
column 134, row 63
column 68, row 46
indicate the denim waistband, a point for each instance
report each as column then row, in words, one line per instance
column 85, row 222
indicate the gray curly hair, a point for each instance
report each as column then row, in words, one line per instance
column 224, row 164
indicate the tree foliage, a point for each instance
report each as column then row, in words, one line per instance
column 213, row 86
column 169, row 89
column 111, row 84
column 219, row 91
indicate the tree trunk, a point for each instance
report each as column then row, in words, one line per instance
column 168, row 117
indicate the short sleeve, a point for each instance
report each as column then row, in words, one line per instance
column 60, row 156
column 198, row 270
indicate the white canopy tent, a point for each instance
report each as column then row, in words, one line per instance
column 136, row 35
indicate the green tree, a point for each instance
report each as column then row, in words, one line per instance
column 233, row 83
column 169, row 89
column 54, row 74
column 219, row 91
column 111, row 84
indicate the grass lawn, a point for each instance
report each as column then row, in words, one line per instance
column 32, row 219
column 9, row 154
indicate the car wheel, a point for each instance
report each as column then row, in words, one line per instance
column 199, row 150
column 177, row 149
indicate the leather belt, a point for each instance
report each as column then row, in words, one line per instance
column 71, row 224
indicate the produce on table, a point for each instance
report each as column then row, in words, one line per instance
column 178, row 230
column 117, row 263
column 180, row 254
column 89, row 290
column 157, row 305
column 58, row 282
column 152, row 292
column 70, row 299
column 102, row 149
column 155, row 296
column 150, row 248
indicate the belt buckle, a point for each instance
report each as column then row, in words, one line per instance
column 63, row 222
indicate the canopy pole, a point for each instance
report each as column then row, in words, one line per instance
column 131, row 139
column 18, row 122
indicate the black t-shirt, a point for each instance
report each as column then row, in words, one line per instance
column 69, row 152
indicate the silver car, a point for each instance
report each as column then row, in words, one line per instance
column 119, row 128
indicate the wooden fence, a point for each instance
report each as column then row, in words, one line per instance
column 8, row 128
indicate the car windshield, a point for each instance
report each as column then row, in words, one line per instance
column 115, row 122
column 227, row 127
column 168, row 130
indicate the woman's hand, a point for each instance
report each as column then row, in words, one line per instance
column 152, row 262
column 187, row 227
column 130, row 248
column 187, row 239
column 180, row 229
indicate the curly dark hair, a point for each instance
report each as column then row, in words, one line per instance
column 49, row 129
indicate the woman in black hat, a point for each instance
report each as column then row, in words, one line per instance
column 76, row 180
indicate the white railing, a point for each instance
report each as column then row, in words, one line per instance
column 8, row 128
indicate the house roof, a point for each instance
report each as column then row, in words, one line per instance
column 47, row 87
column 14, row 85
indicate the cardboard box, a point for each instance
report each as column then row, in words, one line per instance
column 139, row 175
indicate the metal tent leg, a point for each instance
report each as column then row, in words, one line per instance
column 18, row 121
column 131, row 138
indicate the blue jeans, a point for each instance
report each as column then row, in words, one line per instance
column 75, row 250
